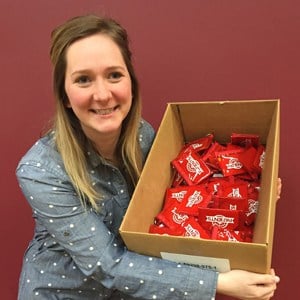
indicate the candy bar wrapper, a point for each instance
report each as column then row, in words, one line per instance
column 171, row 217
column 252, row 210
column 176, row 194
column 210, row 157
column 237, row 189
column 191, row 167
column 222, row 218
column 247, row 158
column 233, row 203
column 230, row 163
column 199, row 145
column 194, row 229
column 215, row 185
column 227, row 235
column 259, row 159
column 244, row 139
column 195, row 197
column 162, row 229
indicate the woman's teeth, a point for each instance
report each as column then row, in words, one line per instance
column 104, row 111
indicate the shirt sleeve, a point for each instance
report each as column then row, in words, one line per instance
column 146, row 137
column 95, row 250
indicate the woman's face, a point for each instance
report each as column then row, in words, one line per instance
column 98, row 85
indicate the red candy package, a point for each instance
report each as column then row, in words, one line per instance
column 193, row 229
column 247, row 158
column 162, row 229
column 199, row 145
column 244, row 139
column 170, row 217
column 233, row 203
column 252, row 208
column 222, row 218
column 236, row 189
column 227, row 235
column 259, row 159
column 230, row 163
column 191, row 167
column 177, row 193
column 210, row 157
column 195, row 197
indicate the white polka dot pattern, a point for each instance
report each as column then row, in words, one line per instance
column 81, row 247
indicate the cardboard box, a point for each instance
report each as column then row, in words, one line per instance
column 186, row 121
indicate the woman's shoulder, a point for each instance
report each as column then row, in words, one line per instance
column 42, row 152
column 146, row 129
column 146, row 136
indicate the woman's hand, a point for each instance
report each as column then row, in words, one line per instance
column 246, row 285
column 279, row 187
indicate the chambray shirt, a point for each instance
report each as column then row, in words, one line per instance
column 77, row 253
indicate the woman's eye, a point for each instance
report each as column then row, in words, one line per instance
column 115, row 76
column 82, row 79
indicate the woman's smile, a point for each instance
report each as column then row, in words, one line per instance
column 104, row 111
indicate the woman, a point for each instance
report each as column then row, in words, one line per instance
column 79, row 178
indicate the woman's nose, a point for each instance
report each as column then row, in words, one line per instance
column 101, row 91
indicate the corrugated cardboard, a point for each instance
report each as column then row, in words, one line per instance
column 187, row 121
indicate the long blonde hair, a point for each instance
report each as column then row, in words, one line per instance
column 69, row 137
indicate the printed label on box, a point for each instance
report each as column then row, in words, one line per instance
column 218, row 264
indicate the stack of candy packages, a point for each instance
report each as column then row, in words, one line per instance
column 214, row 193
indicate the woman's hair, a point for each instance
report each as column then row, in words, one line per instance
column 69, row 137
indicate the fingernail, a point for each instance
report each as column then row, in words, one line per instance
column 277, row 279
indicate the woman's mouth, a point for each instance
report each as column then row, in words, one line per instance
column 104, row 112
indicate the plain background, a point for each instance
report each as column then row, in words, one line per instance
column 183, row 51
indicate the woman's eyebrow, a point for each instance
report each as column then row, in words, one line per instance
column 111, row 68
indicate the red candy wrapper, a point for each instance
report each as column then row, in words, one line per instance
column 170, row 217
column 162, row 229
column 247, row 158
column 199, row 145
column 259, row 159
column 244, row 139
column 195, row 197
column 215, row 185
column 227, row 235
column 176, row 194
column 233, row 203
column 237, row 189
column 210, row 156
column 222, row 218
column 193, row 229
column 191, row 167
column 230, row 163
column 253, row 204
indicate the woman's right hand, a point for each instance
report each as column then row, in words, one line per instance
column 246, row 285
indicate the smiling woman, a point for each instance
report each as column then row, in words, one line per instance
column 79, row 179
column 98, row 87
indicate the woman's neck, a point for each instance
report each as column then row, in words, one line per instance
column 106, row 146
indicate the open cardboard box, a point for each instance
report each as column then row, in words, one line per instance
column 186, row 121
